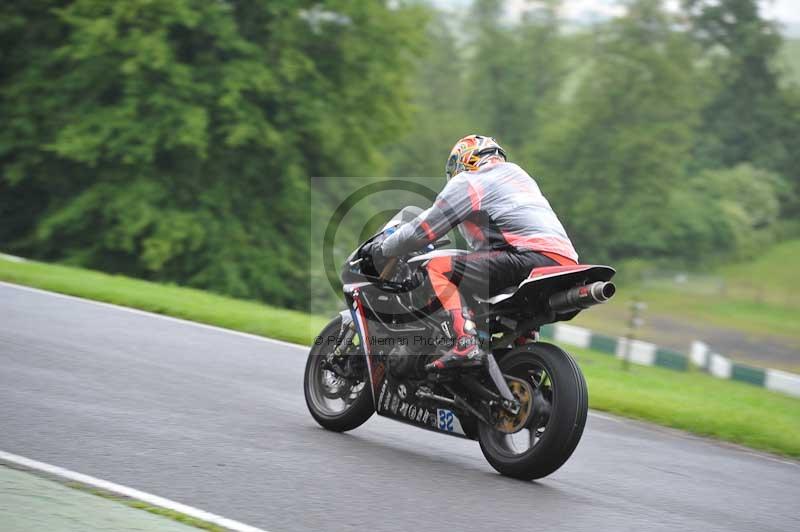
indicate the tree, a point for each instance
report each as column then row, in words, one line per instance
column 515, row 72
column 751, row 118
column 726, row 213
column 174, row 140
column 440, row 115
column 624, row 142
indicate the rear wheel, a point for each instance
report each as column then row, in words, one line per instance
column 549, row 382
column 337, row 386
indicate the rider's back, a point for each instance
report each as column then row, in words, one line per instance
column 511, row 210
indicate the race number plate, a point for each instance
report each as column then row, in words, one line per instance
column 447, row 421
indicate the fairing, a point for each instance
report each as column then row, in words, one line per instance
column 543, row 282
column 437, row 253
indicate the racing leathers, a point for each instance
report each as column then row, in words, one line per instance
column 509, row 224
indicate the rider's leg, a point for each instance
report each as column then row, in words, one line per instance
column 444, row 280
column 483, row 273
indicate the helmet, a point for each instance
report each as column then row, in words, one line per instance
column 470, row 153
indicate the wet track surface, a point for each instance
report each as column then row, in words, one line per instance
column 218, row 421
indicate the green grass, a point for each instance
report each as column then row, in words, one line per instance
column 774, row 272
column 694, row 402
column 749, row 315
column 180, row 302
column 139, row 505
column 759, row 297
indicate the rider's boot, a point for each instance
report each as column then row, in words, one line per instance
column 466, row 351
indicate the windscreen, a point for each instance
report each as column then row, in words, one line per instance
column 405, row 215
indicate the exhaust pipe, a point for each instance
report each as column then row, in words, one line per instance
column 582, row 297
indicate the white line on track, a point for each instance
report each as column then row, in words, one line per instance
column 606, row 417
column 155, row 500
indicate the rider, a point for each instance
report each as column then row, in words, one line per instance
column 504, row 217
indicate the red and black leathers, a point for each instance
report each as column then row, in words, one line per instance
column 504, row 217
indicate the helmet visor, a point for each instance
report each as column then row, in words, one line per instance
column 451, row 168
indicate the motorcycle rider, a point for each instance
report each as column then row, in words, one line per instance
column 505, row 219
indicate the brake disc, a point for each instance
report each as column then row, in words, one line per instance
column 509, row 423
column 334, row 387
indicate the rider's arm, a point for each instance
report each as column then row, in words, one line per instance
column 460, row 197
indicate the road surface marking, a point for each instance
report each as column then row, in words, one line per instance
column 155, row 500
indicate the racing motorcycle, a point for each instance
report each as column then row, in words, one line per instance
column 526, row 404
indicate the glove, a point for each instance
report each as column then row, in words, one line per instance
column 372, row 253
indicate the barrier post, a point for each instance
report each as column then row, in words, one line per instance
column 636, row 321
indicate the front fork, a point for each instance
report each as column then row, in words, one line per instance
column 347, row 333
column 356, row 318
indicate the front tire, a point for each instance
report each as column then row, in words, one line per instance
column 560, row 406
column 355, row 405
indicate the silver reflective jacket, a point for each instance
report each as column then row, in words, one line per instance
column 495, row 207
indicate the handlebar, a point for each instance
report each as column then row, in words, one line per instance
column 388, row 269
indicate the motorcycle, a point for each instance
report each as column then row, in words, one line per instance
column 526, row 404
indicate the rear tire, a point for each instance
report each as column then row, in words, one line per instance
column 567, row 417
column 352, row 415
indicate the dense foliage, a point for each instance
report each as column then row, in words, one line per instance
column 650, row 133
column 175, row 140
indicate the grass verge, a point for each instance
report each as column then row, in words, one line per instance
column 759, row 297
column 180, row 302
column 694, row 402
column 139, row 505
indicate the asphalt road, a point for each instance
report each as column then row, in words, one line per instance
column 218, row 421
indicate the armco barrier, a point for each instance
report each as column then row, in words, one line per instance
column 720, row 367
column 603, row 343
column 699, row 356
column 782, row 381
column 667, row 358
column 748, row 374
column 636, row 351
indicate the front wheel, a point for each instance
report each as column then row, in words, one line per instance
column 549, row 382
column 336, row 386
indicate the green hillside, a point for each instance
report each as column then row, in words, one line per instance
column 775, row 272
column 738, row 308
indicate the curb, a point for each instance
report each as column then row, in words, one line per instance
column 700, row 356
